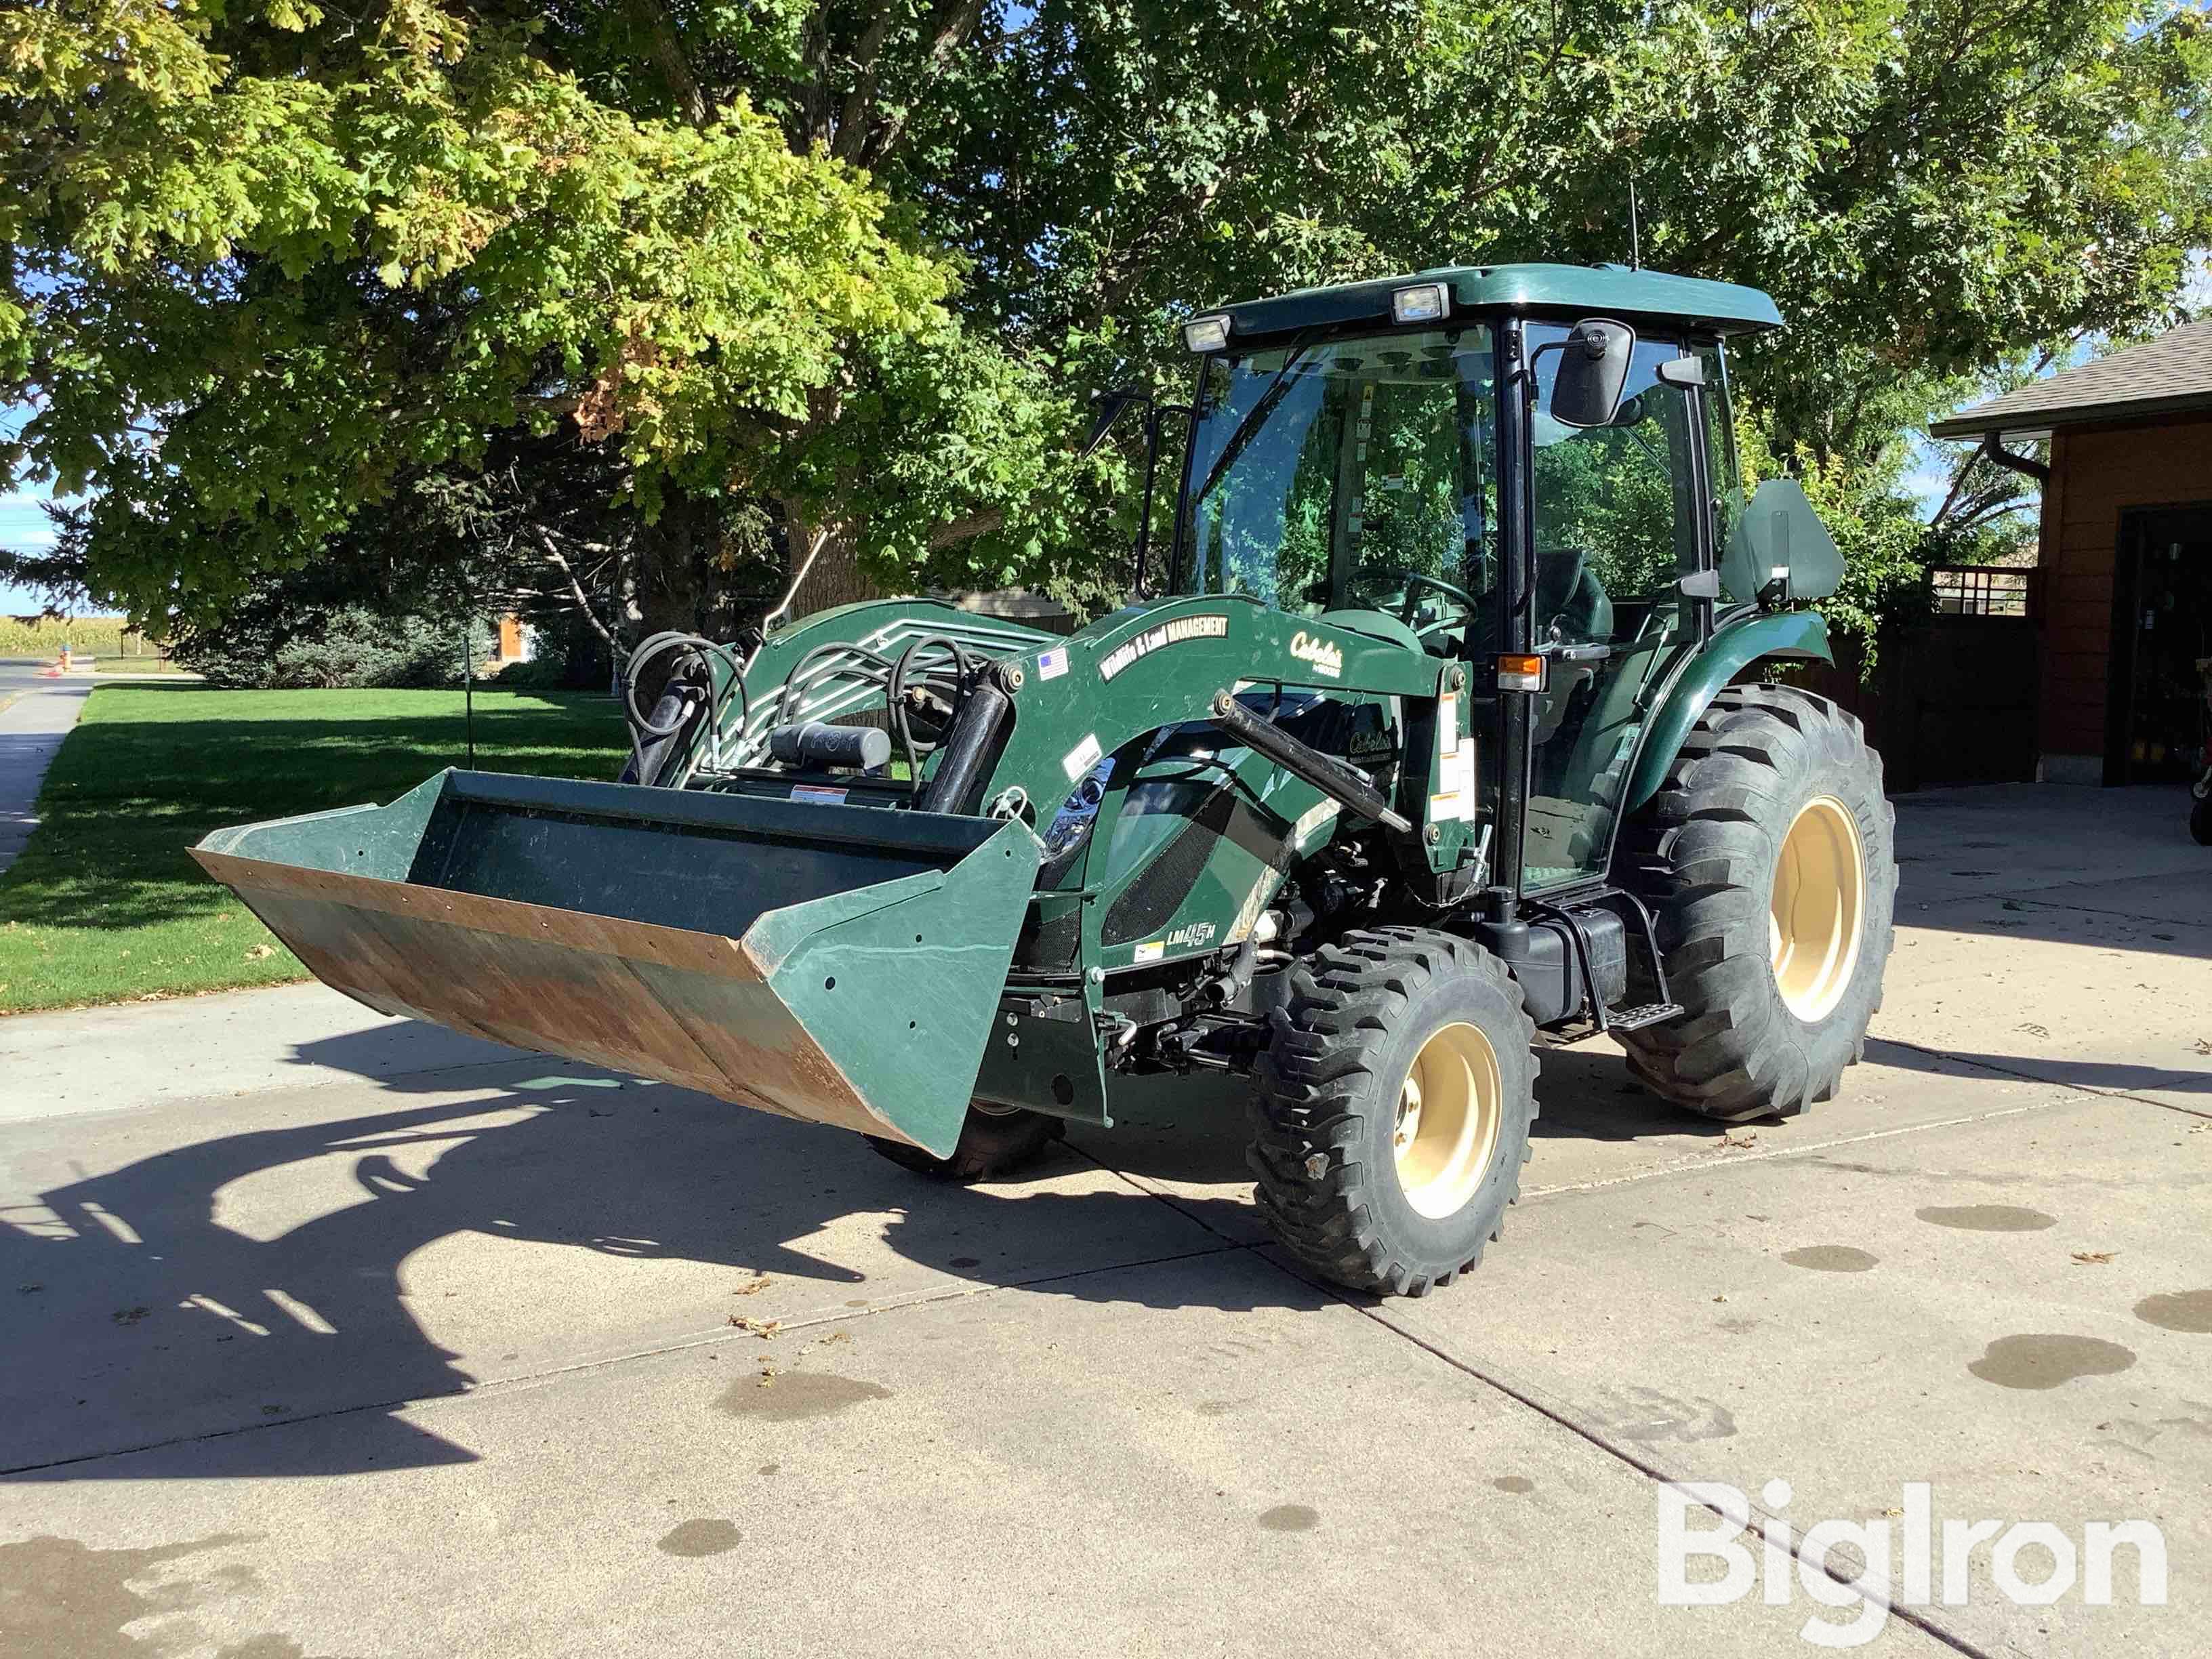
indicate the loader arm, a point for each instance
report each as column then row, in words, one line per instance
column 1139, row 670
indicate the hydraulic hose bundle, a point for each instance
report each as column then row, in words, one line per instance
column 932, row 668
column 652, row 735
column 947, row 679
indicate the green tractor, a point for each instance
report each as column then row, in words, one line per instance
column 1437, row 746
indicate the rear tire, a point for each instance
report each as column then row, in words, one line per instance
column 1768, row 858
column 992, row 1142
column 1392, row 1116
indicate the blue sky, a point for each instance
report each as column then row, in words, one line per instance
column 22, row 524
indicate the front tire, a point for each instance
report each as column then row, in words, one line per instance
column 1392, row 1116
column 1768, row 858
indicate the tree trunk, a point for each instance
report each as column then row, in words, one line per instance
column 672, row 559
column 835, row 580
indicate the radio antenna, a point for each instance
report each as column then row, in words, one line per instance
column 1635, row 231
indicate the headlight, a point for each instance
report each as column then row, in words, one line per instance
column 1204, row 334
column 1425, row 302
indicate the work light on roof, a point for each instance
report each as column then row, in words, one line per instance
column 1424, row 302
column 1204, row 334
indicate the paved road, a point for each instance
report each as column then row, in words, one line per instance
column 322, row 1334
column 20, row 675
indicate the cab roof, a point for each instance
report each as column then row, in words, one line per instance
column 1652, row 296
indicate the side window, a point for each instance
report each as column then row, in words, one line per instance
column 1614, row 506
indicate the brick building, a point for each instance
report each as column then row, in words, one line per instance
column 2125, row 611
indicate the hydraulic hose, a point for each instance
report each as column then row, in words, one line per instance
column 645, row 730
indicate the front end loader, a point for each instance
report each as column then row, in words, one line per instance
column 1443, row 744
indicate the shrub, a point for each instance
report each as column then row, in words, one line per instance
column 347, row 646
column 540, row 673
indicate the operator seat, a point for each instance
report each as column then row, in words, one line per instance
column 1569, row 592
column 1569, row 596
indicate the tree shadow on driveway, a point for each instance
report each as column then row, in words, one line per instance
column 259, row 1277
column 2110, row 1076
column 263, row 1276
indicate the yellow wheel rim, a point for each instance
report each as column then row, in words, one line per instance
column 1447, row 1123
column 1818, row 902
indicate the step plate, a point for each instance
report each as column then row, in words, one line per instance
column 1643, row 1014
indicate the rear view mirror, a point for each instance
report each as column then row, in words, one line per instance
column 1593, row 372
column 1109, row 406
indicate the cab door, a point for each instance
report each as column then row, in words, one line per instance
column 1618, row 518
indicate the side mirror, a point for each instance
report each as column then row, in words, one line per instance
column 1593, row 372
column 1110, row 405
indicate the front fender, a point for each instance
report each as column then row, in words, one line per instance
column 1734, row 647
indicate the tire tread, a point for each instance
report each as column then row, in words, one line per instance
column 1312, row 1188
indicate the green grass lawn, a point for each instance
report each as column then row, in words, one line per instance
column 105, row 906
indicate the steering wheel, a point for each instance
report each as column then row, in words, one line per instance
column 1418, row 579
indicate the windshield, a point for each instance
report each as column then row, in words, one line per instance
column 1348, row 473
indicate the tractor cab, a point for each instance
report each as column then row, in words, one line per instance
column 1477, row 463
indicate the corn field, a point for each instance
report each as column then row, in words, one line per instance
column 96, row 636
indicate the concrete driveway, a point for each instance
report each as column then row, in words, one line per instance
column 326, row 1336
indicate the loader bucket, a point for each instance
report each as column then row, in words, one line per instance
column 834, row 962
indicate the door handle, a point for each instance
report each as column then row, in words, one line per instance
column 1589, row 651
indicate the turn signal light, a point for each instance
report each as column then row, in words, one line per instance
column 1516, row 672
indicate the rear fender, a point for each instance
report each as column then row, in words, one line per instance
column 1730, row 651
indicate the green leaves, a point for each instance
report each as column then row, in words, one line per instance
column 271, row 263
column 248, row 304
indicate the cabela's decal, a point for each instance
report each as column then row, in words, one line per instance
column 1323, row 656
column 1208, row 625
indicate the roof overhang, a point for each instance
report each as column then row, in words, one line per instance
column 2020, row 425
